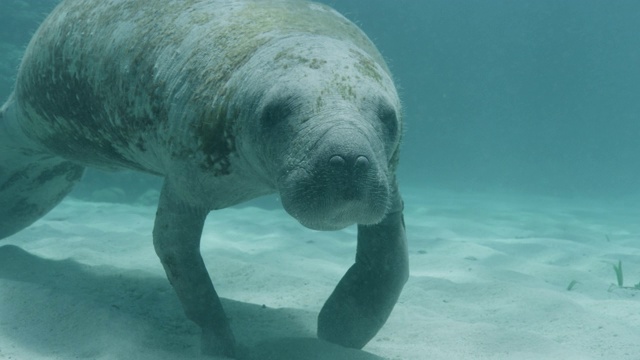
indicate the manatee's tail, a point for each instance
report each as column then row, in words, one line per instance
column 32, row 182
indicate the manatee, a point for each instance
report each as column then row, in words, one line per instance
column 227, row 100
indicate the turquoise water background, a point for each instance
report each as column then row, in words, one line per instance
column 532, row 96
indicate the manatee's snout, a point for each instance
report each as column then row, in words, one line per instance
column 342, row 182
column 349, row 175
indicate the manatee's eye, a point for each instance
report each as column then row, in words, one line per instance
column 389, row 119
column 276, row 111
column 273, row 114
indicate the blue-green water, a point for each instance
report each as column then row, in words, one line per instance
column 519, row 169
column 534, row 96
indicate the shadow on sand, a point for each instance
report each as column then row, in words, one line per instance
column 64, row 309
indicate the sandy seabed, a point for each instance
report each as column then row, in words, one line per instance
column 489, row 280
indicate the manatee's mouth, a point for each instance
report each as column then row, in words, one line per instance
column 330, row 199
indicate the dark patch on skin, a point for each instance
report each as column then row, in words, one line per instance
column 14, row 179
column 289, row 58
column 24, row 207
column 71, row 172
column 217, row 140
column 34, row 189
column 366, row 66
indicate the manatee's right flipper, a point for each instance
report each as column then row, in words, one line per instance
column 176, row 238
column 364, row 298
column 31, row 182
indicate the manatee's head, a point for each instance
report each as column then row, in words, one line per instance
column 327, row 128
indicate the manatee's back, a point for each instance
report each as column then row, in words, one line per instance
column 112, row 83
column 87, row 85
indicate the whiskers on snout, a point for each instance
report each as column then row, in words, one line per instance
column 345, row 190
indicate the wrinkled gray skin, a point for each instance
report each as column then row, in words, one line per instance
column 227, row 100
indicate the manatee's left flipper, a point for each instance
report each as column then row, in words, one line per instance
column 32, row 180
column 176, row 238
column 364, row 298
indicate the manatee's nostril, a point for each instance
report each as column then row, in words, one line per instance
column 336, row 161
column 362, row 163
column 359, row 164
